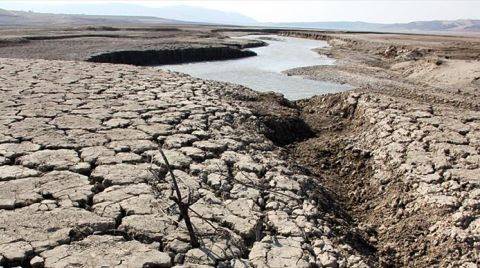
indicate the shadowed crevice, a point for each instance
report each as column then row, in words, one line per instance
column 170, row 56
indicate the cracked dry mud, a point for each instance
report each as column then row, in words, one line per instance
column 426, row 160
column 402, row 152
column 407, row 172
column 78, row 140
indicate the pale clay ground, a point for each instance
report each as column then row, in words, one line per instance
column 418, row 117
column 76, row 141
column 433, row 153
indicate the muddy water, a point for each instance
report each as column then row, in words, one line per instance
column 263, row 72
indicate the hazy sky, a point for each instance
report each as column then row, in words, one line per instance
column 283, row 11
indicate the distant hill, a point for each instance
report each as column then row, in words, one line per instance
column 178, row 12
column 22, row 18
column 438, row 25
column 115, row 13
column 416, row 26
column 332, row 25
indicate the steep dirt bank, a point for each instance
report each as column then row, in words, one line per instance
column 402, row 172
column 170, row 56
column 401, row 153
column 300, row 142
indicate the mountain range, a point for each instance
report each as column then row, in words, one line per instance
column 23, row 18
column 416, row 26
column 124, row 13
column 177, row 12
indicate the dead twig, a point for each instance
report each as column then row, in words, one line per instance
column 183, row 206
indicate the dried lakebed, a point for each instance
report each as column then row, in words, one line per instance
column 263, row 72
column 77, row 141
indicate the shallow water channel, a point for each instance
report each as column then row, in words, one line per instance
column 263, row 72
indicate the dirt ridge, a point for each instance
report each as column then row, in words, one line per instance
column 174, row 56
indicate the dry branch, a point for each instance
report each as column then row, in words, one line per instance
column 183, row 206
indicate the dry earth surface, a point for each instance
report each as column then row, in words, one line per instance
column 386, row 175
column 78, row 141
column 165, row 43
column 401, row 152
